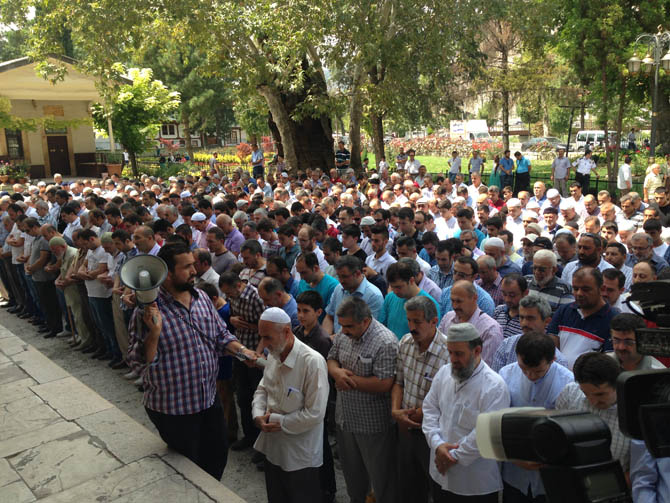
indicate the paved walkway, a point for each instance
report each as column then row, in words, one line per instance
column 62, row 442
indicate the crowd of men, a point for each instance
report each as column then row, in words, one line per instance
column 389, row 308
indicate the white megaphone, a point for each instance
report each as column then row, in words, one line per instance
column 144, row 274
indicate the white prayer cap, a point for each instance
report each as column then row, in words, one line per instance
column 530, row 237
column 198, row 217
column 567, row 204
column 185, row 194
column 529, row 214
column 496, row 242
column 459, row 199
column 551, row 193
column 532, row 205
column 462, row 332
column 275, row 315
column 627, row 226
column 513, row 202
column 368, row 220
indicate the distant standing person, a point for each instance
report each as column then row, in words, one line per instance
column 631, row 140
column 475, row 163
column 560, row 172
column 257, row 161
column 454, row 166
column 400, row 159
column 585, row 166
column 507, row 171
column 624, row 180
column 523, row 168
column 342, row 157
column 213, row 160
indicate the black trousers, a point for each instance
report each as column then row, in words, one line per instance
column 442, row 496
column 246, row 382
column 413, row 466
column 300, row 486
column 201, row 437
column 522, row 182
column 48, row 298
column 584, row 180
column 327, row 469
column 513, row 495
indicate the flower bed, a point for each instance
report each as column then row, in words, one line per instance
column 441, row 146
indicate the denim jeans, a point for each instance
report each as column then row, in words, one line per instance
column 63, row 307
column 101, row 309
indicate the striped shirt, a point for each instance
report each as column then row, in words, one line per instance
column 493, row 289
column 249, row 307
column 441, row 279
column 510, row 326
column 415, row 370
column 557, row 292
column 572, row 398
column 181, row 379
column 506, row 354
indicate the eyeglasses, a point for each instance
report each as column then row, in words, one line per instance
column 626, row 342
column 459, row 274
column 379, row 220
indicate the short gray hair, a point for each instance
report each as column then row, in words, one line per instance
column 488, row 261
column 546, row 254
column 355, row 308
column 533, row 300
column 642, row 235
column 413, row 265
column 422, row 303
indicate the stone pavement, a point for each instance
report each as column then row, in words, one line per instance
column 62, row 442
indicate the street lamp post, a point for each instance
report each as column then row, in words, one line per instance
column 656, row 44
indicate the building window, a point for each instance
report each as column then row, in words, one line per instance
column 231, row 137
column 168, row 130
column 14, row 144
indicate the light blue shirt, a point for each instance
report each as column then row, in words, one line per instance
column 394, row 316
column 484, row 300
column 291, row 308
column 522, row 165
column 526, row 393
column 650, row 477
column 506, row 354
column 257, row 157
column 366, row 291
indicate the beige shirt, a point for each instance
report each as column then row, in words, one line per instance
column 296, row 390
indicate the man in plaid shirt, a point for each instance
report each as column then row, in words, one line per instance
column 246, row 308
column 254, row 263
column 421, row 354
column 362, row 362
column 179, row 339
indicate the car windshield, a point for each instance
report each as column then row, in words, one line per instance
column 552, row 139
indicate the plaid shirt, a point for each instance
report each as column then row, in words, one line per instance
column 572, row 398
column 249, row 307
column 271, row 248
column 442, row 280
column 415, row 370
column 493, row 289
column 255, row 278
column 374, row 354
column 557, row 292
column 510, row 326
column 181, row 379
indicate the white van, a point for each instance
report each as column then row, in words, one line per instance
column 594, row 138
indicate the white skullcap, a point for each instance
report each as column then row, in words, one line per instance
column 627, row 226
column 185, row 194
column 368, row 221
column 198, row 217
column 497, row 242
column 459, row 199
column 462, row 332
column 513, row 202
column 551, row 193
column 532, row 205
column 567, row 204
column 275, row 315
column 530, row 237
column 529, row 214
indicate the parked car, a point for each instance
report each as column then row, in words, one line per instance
column 596, row 138
column 535, row 142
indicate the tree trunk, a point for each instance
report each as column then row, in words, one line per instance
column 603, row 119
column 187, row 132
column 307, row 143
column 504, row 58
column 545, row 116
column 275, row 133
column 355, row 114
column 377, row 137
column 133, row 163
column 582, row 114
column 663, row 119
column 619, row 126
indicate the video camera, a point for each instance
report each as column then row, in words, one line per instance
column 574, row 447
column 644, row 395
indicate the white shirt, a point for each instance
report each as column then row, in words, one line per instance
column 445, row 229
column 425, row 266
column 584, row 166
column 17, row 251
column 70, row 228
column 94, row 287
column 624, row 176
column 412, row 167
column 450, row 412
column 380, row 264
column 297, row 391
column 661, row 249
column 212, row 277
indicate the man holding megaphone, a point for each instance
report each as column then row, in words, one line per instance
column 177, row 339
